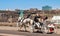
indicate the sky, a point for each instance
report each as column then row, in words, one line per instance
column 27, row 4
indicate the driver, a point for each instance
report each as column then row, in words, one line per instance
column 36, row 20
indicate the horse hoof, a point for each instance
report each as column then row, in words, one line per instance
column 19, row 30
column 31, row 31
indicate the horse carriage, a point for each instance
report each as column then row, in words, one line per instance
column 34, row 26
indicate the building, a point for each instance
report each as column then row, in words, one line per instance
column 46, row 7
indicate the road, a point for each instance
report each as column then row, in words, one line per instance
column 25, row 33
column 13, row 31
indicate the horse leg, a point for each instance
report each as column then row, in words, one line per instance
column 45, row 29
column 21, row 27
column 41, row 27
column 31, row 27
column 24, row 27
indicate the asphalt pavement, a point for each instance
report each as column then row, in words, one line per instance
column 22, row 33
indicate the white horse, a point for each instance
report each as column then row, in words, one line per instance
column 26, row 22
column 30, row 23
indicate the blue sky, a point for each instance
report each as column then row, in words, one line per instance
column 26, row 4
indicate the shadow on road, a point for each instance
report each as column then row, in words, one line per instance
column 23, row 31
column 38, row 32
